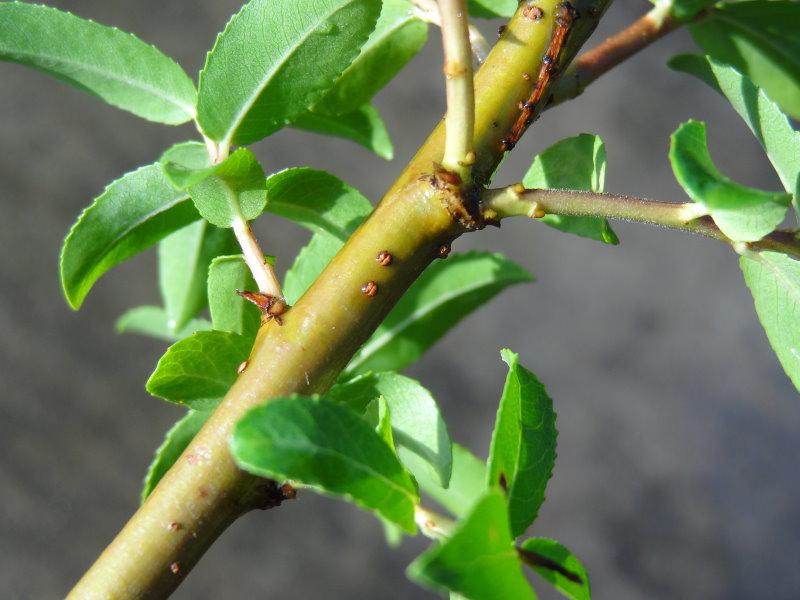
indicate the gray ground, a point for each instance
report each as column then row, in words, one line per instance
column 676, row 475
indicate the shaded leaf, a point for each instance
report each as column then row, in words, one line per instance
column 152, row 322
column 764, row 118
column 310, row 262
column 229, row 311
column 317, row 200
column 320, row 443
column 760, row 38
column 133, row 213
column 576, row 163
column 104, row 61
column 246, row 95
column 199, row 370
column 478, row 561
column 419, row 432
column 175, row 442
column 398, row 36
column 363, row 126
column 467, row 483
column 234, row 189
column 523, row 449
column 684, row 10
column 186, row 163
column 183, row 261
column 569, row 576
column 443, row 295
column 774, row 281
column 744, row 214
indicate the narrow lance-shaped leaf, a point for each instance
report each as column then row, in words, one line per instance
column 152, row 321
column 420, row 434
column 523, row 449
column 229, row 311
column 467, row 483
column 445, row 293
column 245, row 95
column 764, row 118
column 183, row 261
column 104, row 61
column 774, row 280
column 398, row 36
column 576, row 163
column 479, row 560
column 199, row 370
column 558, row 565
column 175, row 442
column 132, row 214
column 323, row 444
column 760, row 38
column 316, row 200
column 744, row 214
column 363, row 126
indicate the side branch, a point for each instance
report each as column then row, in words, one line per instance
column 516, row 201
column 428, row 11
column 614, row 50
column 460, row 118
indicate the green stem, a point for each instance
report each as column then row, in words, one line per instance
column 205, row 491
column 516, row 201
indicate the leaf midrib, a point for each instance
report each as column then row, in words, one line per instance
column 187, row 108
column 240, row 116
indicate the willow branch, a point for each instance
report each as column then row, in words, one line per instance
column 428, row 11
column 205, row 491
column 616, row 49
column 460, row 118
column 517, row 201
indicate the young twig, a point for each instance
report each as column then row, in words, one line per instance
column 616, row 49
column 254, row 257
column 517, row 201
column 428, row 11
column 460, row 117
column 433, row 525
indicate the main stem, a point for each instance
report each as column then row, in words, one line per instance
column 205, row 491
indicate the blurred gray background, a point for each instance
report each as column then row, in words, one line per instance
column 679, row 433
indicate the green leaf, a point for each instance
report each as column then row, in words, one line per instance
column 133, row 213
column 467, row 483
column 230, row 312
column 478, row 561
column 363, row 126
column 420, row 433
column 764, row 118
column 492, row 9
column 685, row 10
column 186, row 163
column 303, row 47
column 443, row 295
column 317, row 200
column 774, row 281
column 320, row 443
column 152, row 322
column 523, row 449
column 183, row 261
column 760, row 39
column 398, row 36
column 744, row 214
column 234, row 189
column 576, row 163
column 197, row 371
column 103, row 61
column 310, row 262
column 175, row 442
column 564, row 571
